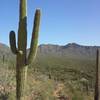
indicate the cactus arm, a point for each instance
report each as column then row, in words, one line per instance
column 12, row 39
column 34, row 39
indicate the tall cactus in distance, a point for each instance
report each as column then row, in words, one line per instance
column 21, row 52
column 97, row 83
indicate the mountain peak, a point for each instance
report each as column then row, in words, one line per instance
column 75, row 44
column 72, row 45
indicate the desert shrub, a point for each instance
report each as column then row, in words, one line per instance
column 77, row 96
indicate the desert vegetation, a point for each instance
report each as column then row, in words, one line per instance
column 51, row 78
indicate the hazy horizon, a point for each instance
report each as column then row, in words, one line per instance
column 55, row 44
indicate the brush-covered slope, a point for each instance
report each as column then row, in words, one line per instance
column 5, row 53
column 71, row 50
column 69, row 62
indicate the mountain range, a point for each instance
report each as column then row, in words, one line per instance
column 71, row 50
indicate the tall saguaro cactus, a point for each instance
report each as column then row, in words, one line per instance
column 21, row 49
column 97, row 84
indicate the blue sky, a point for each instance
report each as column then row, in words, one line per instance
column 62, row 21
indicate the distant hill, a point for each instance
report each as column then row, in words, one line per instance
column 71, row 50
column 5, row 51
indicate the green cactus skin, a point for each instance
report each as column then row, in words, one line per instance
column 97, row 84
column 13, row 42
column 22, row 61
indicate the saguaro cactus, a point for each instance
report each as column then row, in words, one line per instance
column 97, row 84
column 22, row 60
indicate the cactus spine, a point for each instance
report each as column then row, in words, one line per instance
column 97, row 84
column 21, row 51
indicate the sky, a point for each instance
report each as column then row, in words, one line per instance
column 62, row 21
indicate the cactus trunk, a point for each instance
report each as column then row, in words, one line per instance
column 21, row 79
column 97, row 84
column 21, row 51
column 21, row 70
